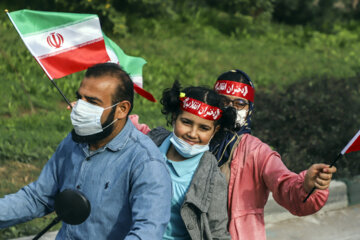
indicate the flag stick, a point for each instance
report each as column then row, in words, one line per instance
column 332, row 164
column 346, row 149
column 47, row 74
column 62, row 94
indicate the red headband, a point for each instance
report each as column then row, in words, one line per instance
column 200, row 109
column 235, row 89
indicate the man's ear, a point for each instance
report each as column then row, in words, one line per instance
column 122, row 109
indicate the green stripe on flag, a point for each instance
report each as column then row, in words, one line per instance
column 31, row 22
column 132, row 65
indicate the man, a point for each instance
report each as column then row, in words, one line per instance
column 118, row 169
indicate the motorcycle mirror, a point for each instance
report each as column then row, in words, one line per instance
column 71, row 207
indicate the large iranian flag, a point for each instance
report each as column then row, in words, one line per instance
column 62, row 43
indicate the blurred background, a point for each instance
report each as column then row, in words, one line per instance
column 303, row 56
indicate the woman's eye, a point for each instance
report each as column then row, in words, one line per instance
column 240, row 102
column 205, row 128
column 185, row 121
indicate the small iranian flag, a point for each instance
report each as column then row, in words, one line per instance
column 62, row 43
column 353, row 145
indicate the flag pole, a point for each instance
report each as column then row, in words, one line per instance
column 47, row 74
column 332, row 164
column 348, row 148
column 62, row 94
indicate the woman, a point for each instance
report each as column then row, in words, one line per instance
column 198, row 207
column 253, row 169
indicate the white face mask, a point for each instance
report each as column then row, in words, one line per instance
column 241, row 117
column 86, row 118
column 185, row 149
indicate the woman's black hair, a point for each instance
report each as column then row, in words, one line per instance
column 171, row 105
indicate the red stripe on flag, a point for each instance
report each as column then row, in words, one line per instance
column 144, row 93
column 75, row 60
column 355, row 146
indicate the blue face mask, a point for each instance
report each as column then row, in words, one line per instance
column 185, row 149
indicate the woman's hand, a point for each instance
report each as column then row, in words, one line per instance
column 318, row 175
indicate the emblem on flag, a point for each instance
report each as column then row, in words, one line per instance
column 55, row 40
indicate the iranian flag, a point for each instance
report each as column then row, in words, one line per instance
column 65, row 43
column 353, row 145
column 62, row 43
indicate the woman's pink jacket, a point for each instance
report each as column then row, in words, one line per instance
column 255, row 171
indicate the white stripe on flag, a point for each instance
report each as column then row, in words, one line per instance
column 112, row 55
column 73, row 35
column 350, row 143
column 138, row 80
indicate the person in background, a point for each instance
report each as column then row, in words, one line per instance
column 253, row 170
column 198, row 205
column 119, row 170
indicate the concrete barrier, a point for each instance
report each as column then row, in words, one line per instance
column 338, row 198
column 46, row 236
column 353, row 185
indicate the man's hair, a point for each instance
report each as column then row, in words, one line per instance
column 125, row 87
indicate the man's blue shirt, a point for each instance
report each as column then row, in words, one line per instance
column 126, row 182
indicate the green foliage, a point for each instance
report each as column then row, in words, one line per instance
column 311, row 121
column 122, row 17
column 26, row 229
column 246, row 7
column 32, row 138
column 231, row 16
column 322, row 15
column 296, row 71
